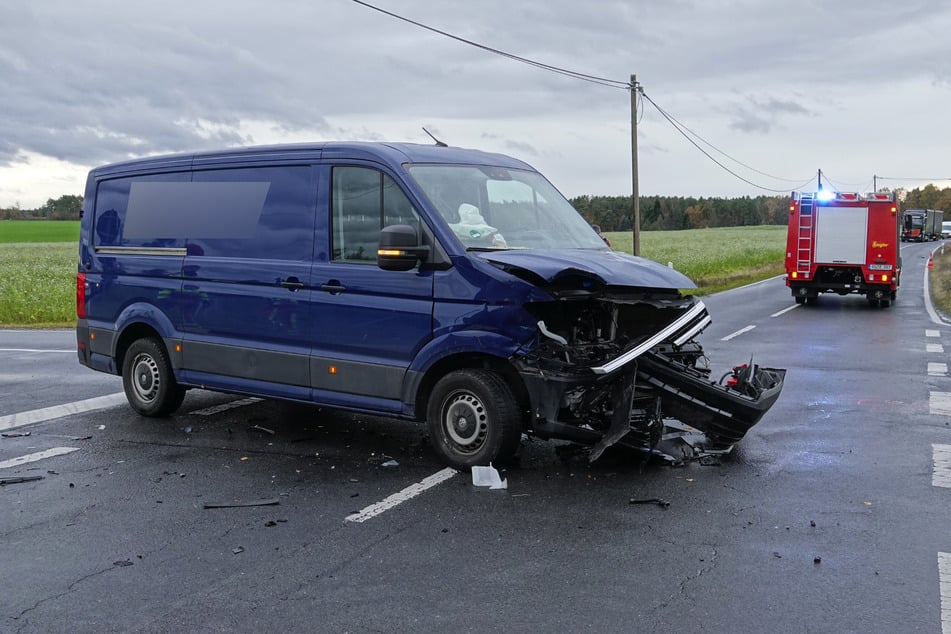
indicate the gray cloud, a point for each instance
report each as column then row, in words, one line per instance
column 103, row 80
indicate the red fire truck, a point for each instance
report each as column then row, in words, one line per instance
column 843, row 243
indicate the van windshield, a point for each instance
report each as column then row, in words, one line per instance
column 502, row 208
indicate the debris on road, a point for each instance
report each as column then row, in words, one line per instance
column 239, row 503
column 122, row 563
column 263, row 430
column 238, row 550
column 488, row 477
column 390, row 463
column 15, row 434
column 664, row 504
column 19, row 480
column 817, row 560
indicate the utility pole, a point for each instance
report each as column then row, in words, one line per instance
column 874, row 183
column 819, row 179
column 636, row 207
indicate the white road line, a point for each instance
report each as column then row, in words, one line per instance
column 939, row 403
column 40, row 455
column 932, row 333
column 944, row 590
column 738, row 333
column 406, row 494
column 934, row 347
column 785, row 310
column 224, row 407
column 942, row 466
column 937, row 369
column 34, row 350
column 12, row 421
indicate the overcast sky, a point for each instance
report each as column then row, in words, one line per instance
column 853, row 87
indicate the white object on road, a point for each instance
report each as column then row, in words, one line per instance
column 488, row 477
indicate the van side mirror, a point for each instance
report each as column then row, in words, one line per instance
column 399, row 248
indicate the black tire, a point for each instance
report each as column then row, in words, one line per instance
column 148, row 381
column 800, row 300
column 474, row 419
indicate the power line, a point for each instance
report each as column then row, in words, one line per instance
column 603, row 81
column 708, row 155
column 909, row 178
column 737, row 161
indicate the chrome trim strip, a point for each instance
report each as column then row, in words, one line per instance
column 633, row 353
column 687, row 336
column 176, row 251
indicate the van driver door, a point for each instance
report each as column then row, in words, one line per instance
column 368, row 324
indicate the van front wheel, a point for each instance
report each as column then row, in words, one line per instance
column 473, row 419
column 148, row 381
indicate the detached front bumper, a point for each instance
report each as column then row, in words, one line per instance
column 624, row 398
column 723, row 412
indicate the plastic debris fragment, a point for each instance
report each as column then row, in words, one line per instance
column 488, row 477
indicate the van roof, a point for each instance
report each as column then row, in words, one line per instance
column 387, row 153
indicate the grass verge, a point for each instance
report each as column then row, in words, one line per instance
column 939, row 280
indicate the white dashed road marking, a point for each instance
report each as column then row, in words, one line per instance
column 940, row 403
column 785, row 310
column 12, row 421
column 934, row 347
column 937, row 369
column 942, row 466
column 397, row 498
column 944, row 589
column 932, row 333
column 40, row 455
column 738, row 333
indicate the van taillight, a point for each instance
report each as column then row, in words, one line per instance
column 81, row 295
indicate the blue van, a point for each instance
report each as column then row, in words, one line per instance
column 427, row 283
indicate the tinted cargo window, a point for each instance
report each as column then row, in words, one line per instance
column 113, row 213
column 364, row 200
column 261, row 212
column 265, row 212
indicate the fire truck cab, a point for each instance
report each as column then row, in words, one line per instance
column 843, row 243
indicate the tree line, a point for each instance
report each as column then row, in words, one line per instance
column 63, row 208
column 670, row 213
column 611, row 213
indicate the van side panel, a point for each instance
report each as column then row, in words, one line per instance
column 246, row 277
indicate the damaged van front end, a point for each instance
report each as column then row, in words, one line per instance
column 615, row 364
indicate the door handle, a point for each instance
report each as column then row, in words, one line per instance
column 333, row 287
column 292, row 284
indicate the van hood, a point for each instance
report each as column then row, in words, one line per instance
column 608, row 268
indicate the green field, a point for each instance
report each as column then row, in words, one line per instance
column 38, row 263
column 38, row 284
column 39, row 231
column 715, row 259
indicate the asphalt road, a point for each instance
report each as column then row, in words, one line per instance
column 832, row 515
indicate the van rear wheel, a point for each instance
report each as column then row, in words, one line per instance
column 148, row 380
column 474, row 419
